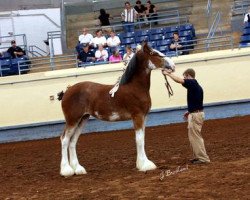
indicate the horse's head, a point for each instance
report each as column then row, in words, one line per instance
column 157, row 59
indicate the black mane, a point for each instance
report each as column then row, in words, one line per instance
column 130, row 70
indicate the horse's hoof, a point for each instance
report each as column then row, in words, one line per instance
column 80, row 170
column 67, row 171
column 145, row 165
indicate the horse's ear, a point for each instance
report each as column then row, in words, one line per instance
column 145, row 47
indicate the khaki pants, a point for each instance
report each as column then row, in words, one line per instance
column 195, row 122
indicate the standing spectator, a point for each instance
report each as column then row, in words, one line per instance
column 140, row 9
column 151, row 12
column 101, row 54
column 15, row 51
column 115, row 57
column 113, row 41
column 104, row 21
column 99, row 39
column 86, row 56
column 195, row 114
column 247, row 17
column 129, row 16
column 176, row 44
column 128, row 55
column 85, row 37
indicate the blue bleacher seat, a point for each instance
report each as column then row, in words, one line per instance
column 5, row 67
column 5, row 55
column 165, row 42
column 174, row 29
column 142, row 33
column 245, row 38
column 128, row 35
column 168, row 36
column 245, row 44
column 247, row 25
column 167, row 30
column 152, row 44
column 141, row 39
column 246, row 31
column 187, row 34
column 156, row 37
column 126, row 41
column 157, row 31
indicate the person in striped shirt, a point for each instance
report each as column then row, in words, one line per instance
column 129, row 16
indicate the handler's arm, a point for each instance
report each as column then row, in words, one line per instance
column 172, row 76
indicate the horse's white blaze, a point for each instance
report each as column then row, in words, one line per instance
column 167, row 59
column 114, row 116
column 151, row 65
column 142, row 162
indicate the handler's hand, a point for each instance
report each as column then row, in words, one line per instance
column 185, row 116
column 167, row 71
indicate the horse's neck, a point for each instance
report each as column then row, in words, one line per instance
column 141, row 79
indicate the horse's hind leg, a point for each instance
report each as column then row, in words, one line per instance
column 74, row 163
column 142, row 161
column 66, row 169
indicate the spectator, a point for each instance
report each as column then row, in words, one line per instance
column 128, row 55
column 99, row 39
column 176, row 44
column 140, row 9
column 101, row 54
column 115, row 57
column 86, row 55
column 151, row 12
column 104, row 21
column 247, row 17
column 138, row 48
column 85, row 37
column 15, row 51
column 113, row 41
column 129, row 16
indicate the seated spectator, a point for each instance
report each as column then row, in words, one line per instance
column 113, row 41
column 15, row 51
column 138, row 48
column 85, row 37
column 247, row 17
column 99, row 39
column 128, row 55
column 176, row 44
column 140, row 8
column 151, row 12
column 101, row 54
column 115, row 57
column 86, row 56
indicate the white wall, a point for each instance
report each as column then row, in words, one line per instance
column 34, row 24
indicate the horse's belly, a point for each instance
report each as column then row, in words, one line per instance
column 112, row 117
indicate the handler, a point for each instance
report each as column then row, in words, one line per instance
column 195, row 114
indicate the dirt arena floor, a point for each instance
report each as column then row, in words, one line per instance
column 30, row 170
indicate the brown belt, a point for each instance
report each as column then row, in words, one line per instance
column 197, row 111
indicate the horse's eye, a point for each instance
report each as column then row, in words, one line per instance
column 151, row 53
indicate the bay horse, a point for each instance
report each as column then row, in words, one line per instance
column 131, row 102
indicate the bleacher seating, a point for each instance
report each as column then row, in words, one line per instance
column 9, row 66
column 158, row 38
column 245, row 37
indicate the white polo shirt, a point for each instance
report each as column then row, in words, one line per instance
column 85, row 38
column 96, row 41
column 113, row 42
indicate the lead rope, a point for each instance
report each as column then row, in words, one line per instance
column 168, row 86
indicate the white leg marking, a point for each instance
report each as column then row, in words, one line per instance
column 74, row 163
column 66, row 170
column 142, row 162
column 114, row 116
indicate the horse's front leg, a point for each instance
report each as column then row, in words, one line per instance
column 142, row 162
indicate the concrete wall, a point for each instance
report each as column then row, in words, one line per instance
column 26, row 99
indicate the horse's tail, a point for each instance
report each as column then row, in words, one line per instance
column 60, row 95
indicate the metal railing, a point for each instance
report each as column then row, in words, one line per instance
column 214, row 27
column 43, row 63
column 240, row 7
column 5, row 41
column 36, row 51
